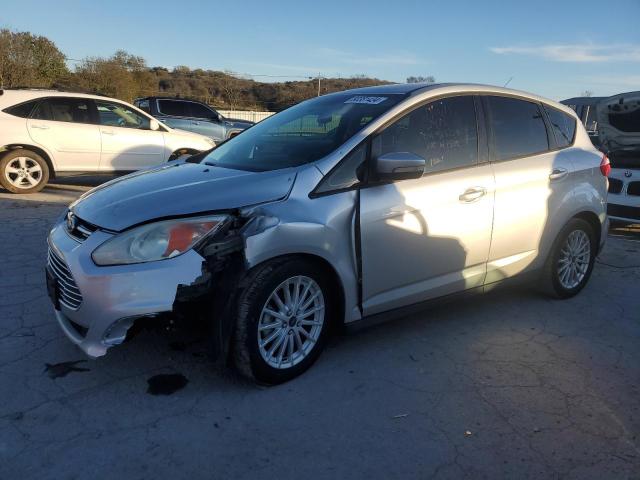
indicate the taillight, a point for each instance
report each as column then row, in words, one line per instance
column 605, row 166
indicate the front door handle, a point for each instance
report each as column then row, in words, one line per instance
column 558, row 173
column 473, row 194
column 40, row 127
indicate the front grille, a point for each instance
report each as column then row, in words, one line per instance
column 623, row 211
column 633, row 188
column 81, row 230
column 615, row 185
column 69, row 292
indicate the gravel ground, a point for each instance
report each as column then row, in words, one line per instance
column 508, row 385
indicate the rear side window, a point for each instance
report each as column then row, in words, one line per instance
column 58, row 109
column 518, row 128
column 22, row 110
column 172, row 107
column 443, row 132
column 564, row 126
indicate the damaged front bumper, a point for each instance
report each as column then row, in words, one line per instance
column 95, row 306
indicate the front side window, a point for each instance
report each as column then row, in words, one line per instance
column 173, row 108
column 348, row 173
column 118, row 115
column 301, row 134
column 564, row 126
column 73, row 110
column 200, row 111
column 518, row 128
column 443, row 132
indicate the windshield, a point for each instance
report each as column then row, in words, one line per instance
column 301, row 134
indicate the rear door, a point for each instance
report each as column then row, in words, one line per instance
column 66, row 127
column 127, row 141
column 428, row 237
column 533, row 183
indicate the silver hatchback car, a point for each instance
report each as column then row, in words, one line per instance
column 351, row 207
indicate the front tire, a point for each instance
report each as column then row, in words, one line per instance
column 282, row 320
column 571, row 260
column 23, row 171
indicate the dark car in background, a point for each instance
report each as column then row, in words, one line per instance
column 613, row 124
column 193, row 116
column 585, row 108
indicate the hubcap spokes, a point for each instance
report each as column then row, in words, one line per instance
column 291, row 322
column 574, row 259
column 23, row 172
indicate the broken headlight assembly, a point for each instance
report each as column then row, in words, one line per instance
column 156, row 241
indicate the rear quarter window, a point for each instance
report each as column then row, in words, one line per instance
column 517, row 126
column 564, row 126
column 22, row 110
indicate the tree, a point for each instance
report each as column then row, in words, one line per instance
column 28, row 60
column 428, row 79
column 586, row 93
column 122, row 75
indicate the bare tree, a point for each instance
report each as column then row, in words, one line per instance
column 231, row 89
column 586, row 93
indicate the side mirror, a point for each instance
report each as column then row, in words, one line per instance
column 154, row 125
column 398, row 166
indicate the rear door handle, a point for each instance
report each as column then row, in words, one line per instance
column 473, row 194
column 108, row 132
column 40, row 127
column 558, row 173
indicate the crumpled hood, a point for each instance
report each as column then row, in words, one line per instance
column 176, row 189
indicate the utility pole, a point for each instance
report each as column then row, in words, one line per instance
column 318, row 83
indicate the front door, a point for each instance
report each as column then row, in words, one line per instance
column 127, row 141
column 428, row 237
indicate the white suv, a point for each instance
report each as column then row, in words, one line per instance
column 45, row 132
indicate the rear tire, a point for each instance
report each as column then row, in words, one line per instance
column 277, row 339
column 571, row 260
column 23, row 171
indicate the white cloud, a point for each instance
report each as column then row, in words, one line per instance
column 581, row 53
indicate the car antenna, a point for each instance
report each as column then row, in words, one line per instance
column 507, row 83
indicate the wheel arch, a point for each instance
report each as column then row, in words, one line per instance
column 39, row 150
column 592, row 219
column 327, row 268
column 177, row 153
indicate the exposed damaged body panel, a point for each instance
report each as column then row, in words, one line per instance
column 619, row 122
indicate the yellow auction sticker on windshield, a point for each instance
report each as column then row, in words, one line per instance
column 366, row 100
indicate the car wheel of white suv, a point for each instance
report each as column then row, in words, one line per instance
column 23, row 171
column 571, row 260
column 282, row 320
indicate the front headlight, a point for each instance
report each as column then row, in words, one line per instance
column 210, row 141
column 155, row 241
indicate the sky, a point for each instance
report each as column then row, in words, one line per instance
column 557, row 49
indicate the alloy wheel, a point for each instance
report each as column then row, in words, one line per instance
column 574, row 259
column 23, row 172
column 291, row 322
